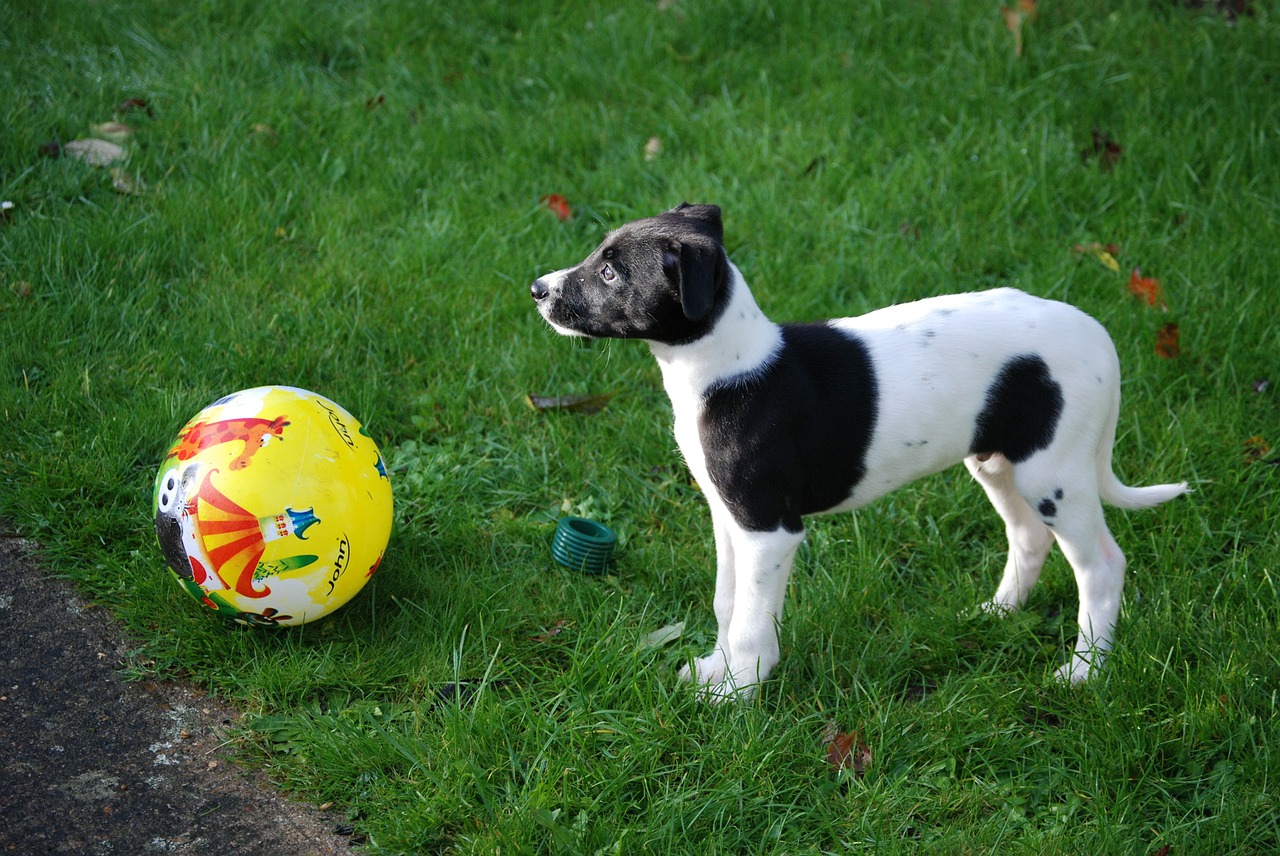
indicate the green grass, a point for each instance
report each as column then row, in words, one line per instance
column 345, row 197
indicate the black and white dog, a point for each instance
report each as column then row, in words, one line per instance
column 779, row 421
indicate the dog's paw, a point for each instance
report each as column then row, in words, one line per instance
column 706, row 671
column 1074, row 671
column 996, row 609
column 716, row 682
column 730, row 689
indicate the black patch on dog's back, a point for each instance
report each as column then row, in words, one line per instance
column 792, row 438
column 1022, row 410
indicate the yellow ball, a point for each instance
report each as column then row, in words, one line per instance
column 273, row 507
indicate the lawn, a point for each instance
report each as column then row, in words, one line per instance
column 353, row 198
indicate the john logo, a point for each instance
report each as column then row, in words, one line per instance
column 339, row 426
column 340, row 563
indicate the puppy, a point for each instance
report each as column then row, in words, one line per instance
column 780, row 421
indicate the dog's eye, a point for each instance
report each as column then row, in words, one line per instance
column 607, row 274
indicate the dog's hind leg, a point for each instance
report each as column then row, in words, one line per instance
column 1030, row 539
column 762, row 565
column 1099, row 567
column 1063, row 490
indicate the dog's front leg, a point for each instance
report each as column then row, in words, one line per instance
column 761, row 567
column 710, row 669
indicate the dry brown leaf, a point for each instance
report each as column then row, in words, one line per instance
column 1256, row 448
column 1167, row 342
column 558, row 205
column 1016, row 18
column 131, row 104
column 266, row 133
column 116, row 132
column 552, row 632
column 1107, row 150
column 845, row 750
column 95, row 152
column 1148, row 289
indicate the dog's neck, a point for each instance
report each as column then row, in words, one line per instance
column 742, row 341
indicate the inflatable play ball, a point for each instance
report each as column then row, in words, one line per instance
column 273, row 507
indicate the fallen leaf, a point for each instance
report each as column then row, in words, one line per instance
column 558, row 206
column 130, row 104
column 22, row 289
column 95, row 152
column 1105, row 149
column 1148, row 289
column 1104, row 253
column 552, row 632
column 375, row 102
column 573, row 403
column 264, row 132
column 1016, row 18
column 652, row 149
column 116, row 132
column 845, row 751
column 663, row 636
column 1260, row 385
column 1167, row 342
column 1232, row 9
column 1256, row 448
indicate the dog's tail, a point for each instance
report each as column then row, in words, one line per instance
column 1113, row 491
column 1123, row 496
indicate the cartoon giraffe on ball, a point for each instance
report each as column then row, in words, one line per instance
column 254, row 432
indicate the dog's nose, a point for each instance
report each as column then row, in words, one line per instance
column 538, row 290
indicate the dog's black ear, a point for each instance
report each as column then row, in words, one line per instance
column 698, row 270
column 708, row 216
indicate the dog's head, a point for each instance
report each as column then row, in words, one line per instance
column 664, row 279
